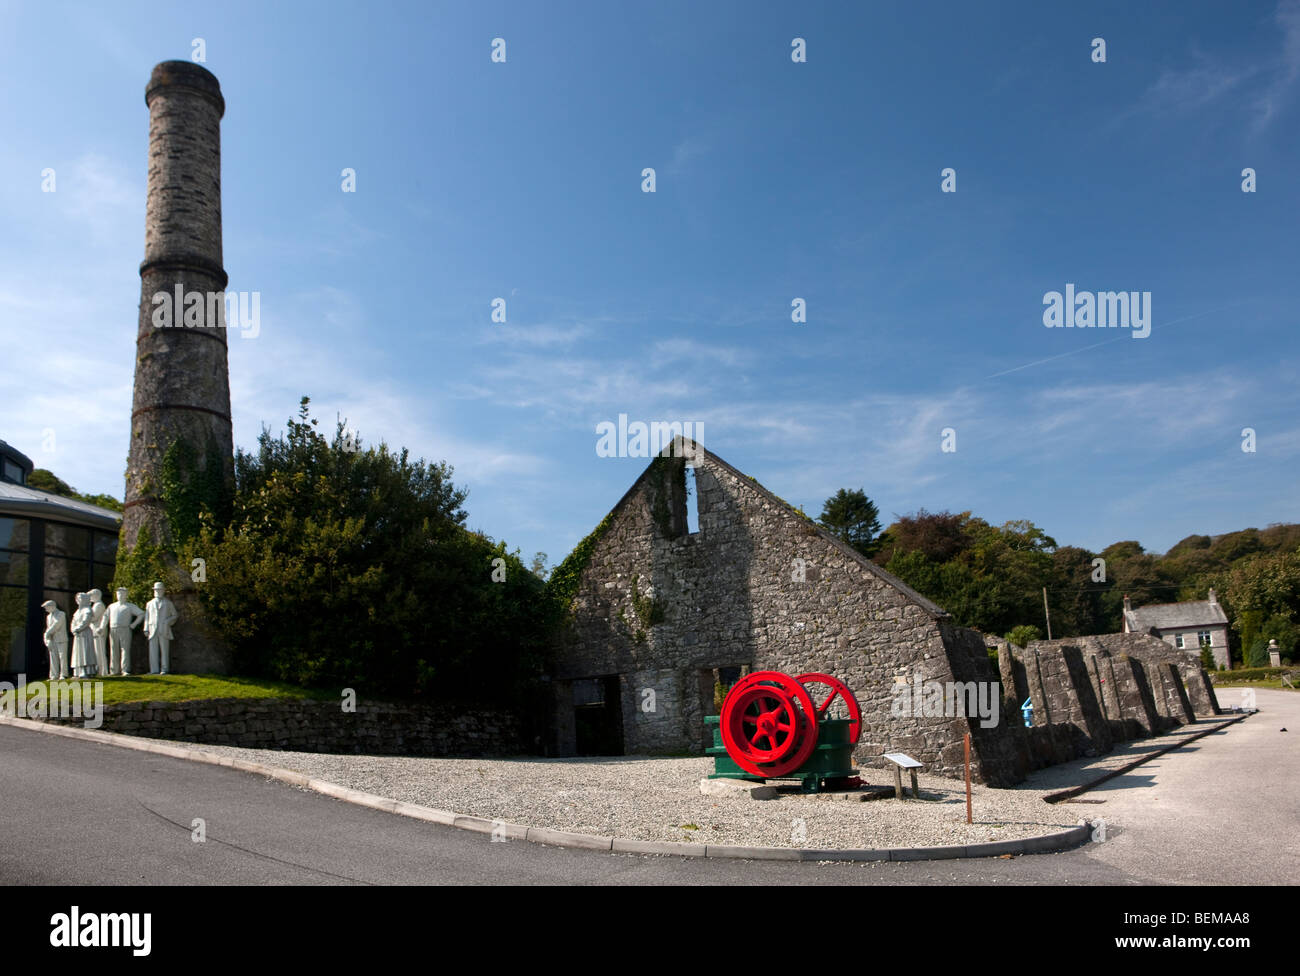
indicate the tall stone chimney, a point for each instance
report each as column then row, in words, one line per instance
column 182, row 450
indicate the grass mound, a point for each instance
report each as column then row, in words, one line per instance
column 192, row 687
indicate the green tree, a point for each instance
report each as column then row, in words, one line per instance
column 853, row 518
column 939, row 536
column 1075, row 594
column 43, row 480
column 352, row 567
column 1137, row 574
column 1263, row 595
column 1021, row 636
column 988, row 577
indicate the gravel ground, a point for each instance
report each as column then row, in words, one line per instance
column 660, row 799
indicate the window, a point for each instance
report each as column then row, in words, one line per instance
column 71, row 541
column 13, row 628
column 692, row 503
column 1178, row 641
column 13, row 567
column 105, row 548
column 15, row 533
column 67, row 574
column 1203, row 637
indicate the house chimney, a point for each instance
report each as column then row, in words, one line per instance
column 1213, row 596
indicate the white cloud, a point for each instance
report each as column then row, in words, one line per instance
column 98, row 196
column 1266, row 84
column 688, row 149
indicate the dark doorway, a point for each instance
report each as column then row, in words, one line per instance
column 598, row 716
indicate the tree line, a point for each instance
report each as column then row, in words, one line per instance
column 991, row 577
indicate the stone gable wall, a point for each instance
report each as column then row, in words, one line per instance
column 757, row 587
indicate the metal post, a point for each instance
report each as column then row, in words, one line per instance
column 967, row 743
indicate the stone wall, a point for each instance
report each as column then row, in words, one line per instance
column 1172, row 701
column 297, row 725
column 758, row 586
column 1063, row 694
column 1131, row 692
column 1151, row 651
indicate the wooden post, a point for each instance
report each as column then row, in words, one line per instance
column 916, row 790
column 1047, row 613
column 967, row 743
column 898, row 781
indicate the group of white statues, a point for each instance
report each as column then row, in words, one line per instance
column 94, row 626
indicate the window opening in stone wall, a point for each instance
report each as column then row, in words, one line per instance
column 692, row 503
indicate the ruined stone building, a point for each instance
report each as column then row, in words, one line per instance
column 1090, row 693
column 663, row 614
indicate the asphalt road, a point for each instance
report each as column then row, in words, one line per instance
column 1222, row 810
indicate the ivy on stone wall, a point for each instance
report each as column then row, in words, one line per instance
column 188, row 494
column 565, row 578
column 139, row 568
column 661, row 470
column 188, row 490
column 648, row 610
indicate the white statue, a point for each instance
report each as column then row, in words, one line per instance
column 83, row 641
column 122, row 616
column 159, row 615
column 99, row 630
column 56, row 639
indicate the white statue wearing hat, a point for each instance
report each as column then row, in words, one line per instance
column 83, row 641
column 122, row 616
column 56, row 639
column 159, row 615
column 99, row 630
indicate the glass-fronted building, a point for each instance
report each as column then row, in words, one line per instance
column 51, row 548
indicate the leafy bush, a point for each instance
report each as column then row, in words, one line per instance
column 1249, row 674
column 719, row 694
column 1021, row 636
column 1257, row 654
column 353, row 568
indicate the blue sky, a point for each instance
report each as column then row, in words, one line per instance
column 774, row 180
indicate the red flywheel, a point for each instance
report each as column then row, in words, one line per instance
column 768, row 724
column 840, row 689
